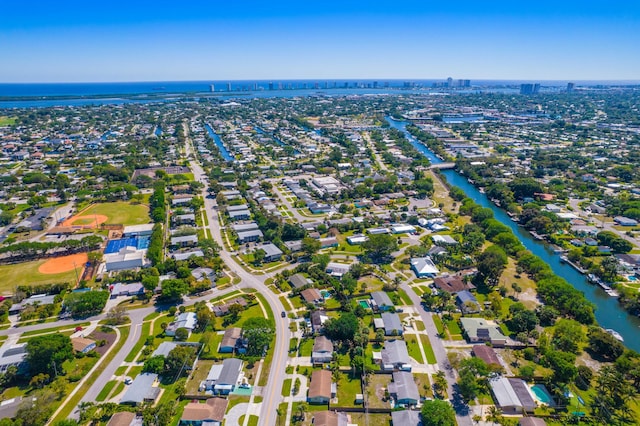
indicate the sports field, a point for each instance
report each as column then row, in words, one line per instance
column 117, row 213
column 28, row 273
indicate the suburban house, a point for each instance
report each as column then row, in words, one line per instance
column 512, row 395
column 403, row 389
column 330, row 418
column 318, row 318
column 452, row 284
column 120, row 289
column 531, row 421
column 406, row 418
column 211, row 413
column 337, row 269
column 380, row 301
column 322, row 352
column 394, row 356
column 392, row 324
column 403, row 229
column 487, row 354
column 480, row 330
column 320, row 391
column 185, row 241
column 444, row 240
column 184, row 219
column 143, row 389
column 467, row 302
column 271, row 252
column 83, row 345
column 184, row 320
column 125, row 418
column 298, row 281
column 249, row 236
column 312, row 295
column 13, row 356
column 232, row 341
column 223, row 378
column 239, row 215
column 424, row 267
column 221, row 310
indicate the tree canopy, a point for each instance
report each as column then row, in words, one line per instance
column 259, row 332
column 45, row 354
column 438, row 412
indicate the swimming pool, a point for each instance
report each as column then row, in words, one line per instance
column 632, row 278
column 364, row 304
column 325, row 294
column 542, row 395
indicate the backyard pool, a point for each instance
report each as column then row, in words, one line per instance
column 364, row 304
column 542, row 395
column 325, row 294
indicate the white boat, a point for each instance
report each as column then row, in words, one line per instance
column 615, row 334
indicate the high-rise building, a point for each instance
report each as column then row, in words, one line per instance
column 271, row 85
column 212, row 88
column 529, row 89
column 450, row 82
column 570, row 87
column 228, row 86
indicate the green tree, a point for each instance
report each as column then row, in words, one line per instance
column 174, row 289
column 47, row 353
column 438, row 413
column 179, row 361
column 380, row 246
column 343, row 328
column 86, row 303
column 568, row 336
column 604, row 344
column 491, row 264
column 182, row 334
column 155, row 364
column 310, row 246
column 259, row 332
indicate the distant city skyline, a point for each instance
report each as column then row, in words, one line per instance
column 41, row 41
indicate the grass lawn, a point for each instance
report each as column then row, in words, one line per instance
column 413, row 347
column 120, row 212
column 424, row 385
column 375, row 393
column 286, row 387
column 7, row 121
column 306, row 346
column 106, row 390
column 428, row 350
column 371, row 419
column 198, row 375
column 438, row 323
column 25, row 274
column 348, row 387
column 454, row 329
column 404, row 297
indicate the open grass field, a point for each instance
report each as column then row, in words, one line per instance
column 7, row 121
column 27, row 273
column 119, row 212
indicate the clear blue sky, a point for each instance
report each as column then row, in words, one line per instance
column 70, row 40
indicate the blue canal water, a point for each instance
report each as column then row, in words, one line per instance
column 609, row 313
column 216, row 139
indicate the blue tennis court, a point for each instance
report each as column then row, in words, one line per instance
column 114, row 246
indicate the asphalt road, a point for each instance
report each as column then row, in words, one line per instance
column 271, row 392
column 461, row 408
